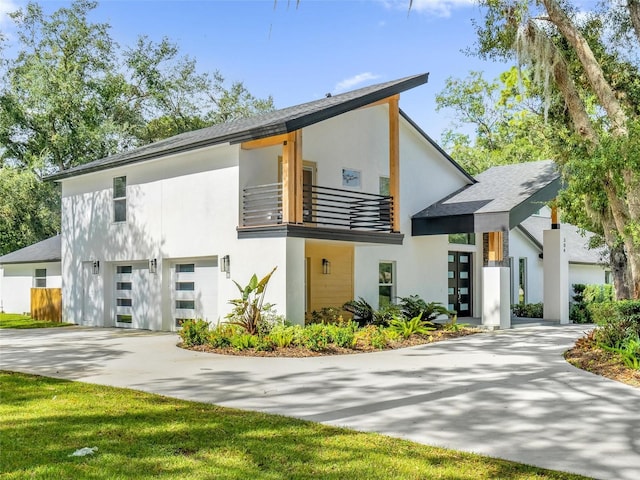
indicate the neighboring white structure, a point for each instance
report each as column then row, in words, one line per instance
column 326, row 191
column 586, row 265
column 35, row 266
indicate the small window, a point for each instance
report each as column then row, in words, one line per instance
column 120, row 199
column 123, row 285
column 185, row 267
column 522, row 274
column 124, row 318
column 462, row 238
column 384, row 186
column 186, row 304
column 40, row 278
column 185, row 286
column 124, row 302
column 386, row 283
column 124, row 269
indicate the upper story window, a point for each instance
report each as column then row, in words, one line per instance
column 120, row 199
column 40, row 278
column 384, row 186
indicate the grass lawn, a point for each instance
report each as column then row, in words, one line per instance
column 140, row 435
column 15, row 320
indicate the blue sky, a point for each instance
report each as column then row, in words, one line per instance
column 298, row 54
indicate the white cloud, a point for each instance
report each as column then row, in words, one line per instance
column 438, row 8
column 6, row 7
column 351, row 82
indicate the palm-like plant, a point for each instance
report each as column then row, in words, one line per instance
column 248, row 309
column 405, row 327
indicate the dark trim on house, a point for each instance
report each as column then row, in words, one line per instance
column 26, row 262
column 532, row 204
column 336, row 234
column 442, row 225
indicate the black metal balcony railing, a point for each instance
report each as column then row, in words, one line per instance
column 322, row 207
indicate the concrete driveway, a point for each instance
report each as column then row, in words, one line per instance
column 504, row 394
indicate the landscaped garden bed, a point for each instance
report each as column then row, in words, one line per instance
column 253, row 327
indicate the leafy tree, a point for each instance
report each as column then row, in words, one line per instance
column 72, row 95
column 572, row 60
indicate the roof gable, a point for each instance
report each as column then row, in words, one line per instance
column 49, row 250
column 268, row 124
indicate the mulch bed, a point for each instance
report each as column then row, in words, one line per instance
column 299, row 352
column 588, row 356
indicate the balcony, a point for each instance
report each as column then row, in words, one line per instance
column 328, row 213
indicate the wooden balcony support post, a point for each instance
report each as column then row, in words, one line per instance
column 555, row 218
column 394, row 161
column 292, row 178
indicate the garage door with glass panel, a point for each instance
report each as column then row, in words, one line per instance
column 194, row 290
column 131, row 285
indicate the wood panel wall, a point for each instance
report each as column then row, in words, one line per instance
column 335, row 288
column 46, row 304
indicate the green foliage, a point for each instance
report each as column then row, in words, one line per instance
column 584, row 295
column 372, row 336
column 598, row 293
column 528, row 310
column 343, row 335
column 282, row 336
column 619, row 329
column 220, row 337
column 315, row 337
column 413, row 306
column 628, row 350
column 244, row 341
column 194, row 332
column 386, row 314
column 405, row 327
column 361, row 310
column 327, row 315
column 249, row 309
column 453, row 325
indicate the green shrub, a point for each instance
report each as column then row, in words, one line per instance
column 343, row 335
column 413, row 306
column 528, row 310
column 386, row 314
column 453, row 325
column 585, row 295
column 602, row 313
column 315, row 337
column 194, row 332
column 579, row 313
column 371, row 336
column 327, row 315
column 361, row 310
column 244, row 341
column 248, row 310
column 629, row 351
column 618, row 329
column 405, row 328
column 282, row 336
column 220, row 337
column 598, row 293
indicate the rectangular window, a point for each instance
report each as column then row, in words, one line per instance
column 384, row 186
column 386, row 283
column 522, row 274
column 185, row 267
column 123, row 285
column 40, row 278
column 186, row 304
column 124, row 302
column 185, row 286
column 462, row 238
column 124, row 318
column 124, row 269
column 120, row 199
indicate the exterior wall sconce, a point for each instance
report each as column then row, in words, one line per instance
column 326, row 266
column 96, row 267
column 153, row 265
column 225, row 265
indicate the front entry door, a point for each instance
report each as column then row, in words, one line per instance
column 460, row 283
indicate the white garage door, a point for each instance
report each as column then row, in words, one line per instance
column 194, row 290
column 132, row 295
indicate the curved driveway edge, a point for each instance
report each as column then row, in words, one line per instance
column 505, row 394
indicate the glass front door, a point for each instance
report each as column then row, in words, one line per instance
column 459, row 283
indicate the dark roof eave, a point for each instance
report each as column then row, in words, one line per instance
column 24, row 262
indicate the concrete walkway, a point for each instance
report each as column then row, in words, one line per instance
column 505, row 394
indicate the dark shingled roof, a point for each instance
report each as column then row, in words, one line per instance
column 48, row 250
column 501, row 199
column 577, row 242
column 264, row 125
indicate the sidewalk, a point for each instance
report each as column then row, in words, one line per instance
column 507, row 394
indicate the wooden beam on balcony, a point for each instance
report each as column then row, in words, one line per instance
column 394, row 160
column 495, row 247
column 265, row 142
column 292, row 178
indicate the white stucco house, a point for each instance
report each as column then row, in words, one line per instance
column 35, row 266
column 586, row 266
column 345, row 195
